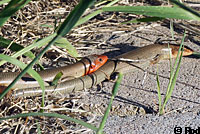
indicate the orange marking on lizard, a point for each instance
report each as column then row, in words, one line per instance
column 99, row 61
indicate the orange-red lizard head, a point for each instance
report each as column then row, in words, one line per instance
column 96, row 61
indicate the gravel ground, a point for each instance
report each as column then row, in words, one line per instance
column 152, row 124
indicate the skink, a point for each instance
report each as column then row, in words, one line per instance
column 84, row 67
column 141, row 57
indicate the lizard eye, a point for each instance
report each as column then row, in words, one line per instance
column 100, row 59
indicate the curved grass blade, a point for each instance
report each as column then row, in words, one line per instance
column 147, row 19
column 38, row 128
column 12, row 7
column 173, row 82
column 5, row 43
column 20, row 64
column 28, row 48
column 87, row 125
column 88, row 17
column 114, row 92
column 64, row 43
column 172, row 29
column 196, row 54
column 73, row 17
column 56, row 79
column 159, row 93
column 173, row 75
column 182, row 6
column 4, row 1
column 157, row 11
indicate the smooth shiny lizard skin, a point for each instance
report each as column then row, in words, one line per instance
column 143, row 57
column 83, row 67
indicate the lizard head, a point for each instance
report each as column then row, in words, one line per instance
column 96, row 61
column 186, row 51
column 173, row 49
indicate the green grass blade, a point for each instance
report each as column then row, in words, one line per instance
column 87, row 125
column 170, row 60
column 12, row 7
column 56, row 79
column 172, row 73
column 172, row 29
column 73, row 17
column 185, row 8
column 196, row 54
column 177, row 58
column 88, row 17
column 159, row 94
column 171, row 68
column 20, row 64
column 5, row 43
column 156, row 11
column 147, row 19
column 28, row 48
column 172, row 85
column 114, row 92
column 175, row 71
column 111, row 3
column 38, row 128
column 64, row 43
column 117, row 84
column 4, row 1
